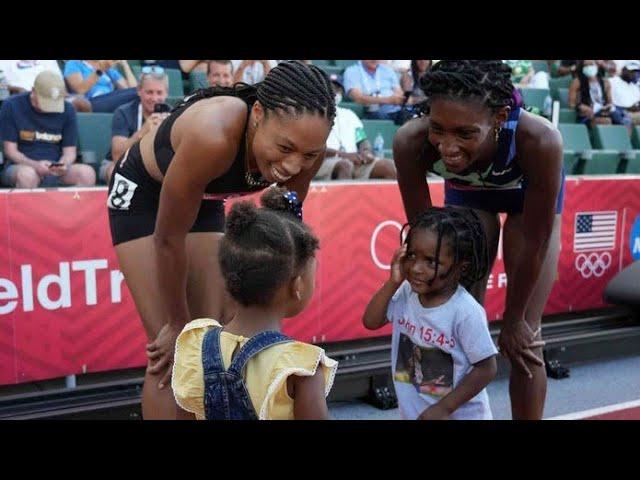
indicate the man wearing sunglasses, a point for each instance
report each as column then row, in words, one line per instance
column 136, row 118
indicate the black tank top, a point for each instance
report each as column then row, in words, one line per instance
column 233, row 182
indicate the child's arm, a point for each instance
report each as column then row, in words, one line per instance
column 478, row 378
column 375, row 315
column 309, row 402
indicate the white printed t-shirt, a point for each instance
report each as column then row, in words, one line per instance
column 432, row 349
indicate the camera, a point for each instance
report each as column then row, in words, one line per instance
column 161, row 108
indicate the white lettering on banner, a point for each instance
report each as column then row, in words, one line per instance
column 63, row 281
column 89, row 267
column 27, row 288
column 10, row 293
column 10, row 296
column 374, row 239
column 116, row 286
column 502, row 280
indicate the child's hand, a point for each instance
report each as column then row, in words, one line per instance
column 435, row 412
column 397, row 272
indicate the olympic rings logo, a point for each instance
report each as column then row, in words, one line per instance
column 593, row 264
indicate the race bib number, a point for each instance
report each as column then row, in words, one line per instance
column 122, row 193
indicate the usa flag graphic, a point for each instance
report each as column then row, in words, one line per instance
column 595, row 231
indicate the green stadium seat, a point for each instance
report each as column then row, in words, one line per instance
column 535, row 97
column 616, row 137
column 568, row 115
column 94, row 135
column 579, row 157
column 559, row 82
column 198, row 80
column 636, row 136
column 344, row 63
column 563, row 97
column 176, row 88
column 386, row 127
column 323, row 63
column 332, row 69
column 354, row 107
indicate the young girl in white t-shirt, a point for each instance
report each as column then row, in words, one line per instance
column 436, row 321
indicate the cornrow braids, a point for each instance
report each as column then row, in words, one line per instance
column 263, row 248
column 462, row 229
column 486, row 80
column 293, row 85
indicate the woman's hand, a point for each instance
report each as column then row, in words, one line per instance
column 516, row 341
column 160, row 353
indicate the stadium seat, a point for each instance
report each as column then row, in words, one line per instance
column 344, row 63
column 563, row 97
column 568, row 115
column 198, row 80
column 354, row 107
column 323, row 63
column 330, row 69
column 94, row 135
column 616, row 137
column 559, row 82
column 636, row 136
column 579, row 157
column 386, row 127
column 176, row 88
column 535, row 97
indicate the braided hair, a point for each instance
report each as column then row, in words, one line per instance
column 486, row 80
column 291, row 86
column 462, row 229
column 264, row 247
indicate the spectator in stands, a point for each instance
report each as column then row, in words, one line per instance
column 566, row 67
column 39, row 133
column 625, row 91
column 410, row 81
column 220, row 73
column 251, row 71
column 590, row 95
column 101, row 83
column 185, row 66
column 136, row 118
column 523, row 75
column 21, row 74
column 376, row 86
column 349, row 154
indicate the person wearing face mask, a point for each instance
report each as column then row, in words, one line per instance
column 590, row 95
column 625, row 91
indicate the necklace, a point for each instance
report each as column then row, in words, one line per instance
column 252, row 182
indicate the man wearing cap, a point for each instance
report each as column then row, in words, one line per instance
column 376, row 86
column 349, row 154
column 625, row 92
column 39, row 131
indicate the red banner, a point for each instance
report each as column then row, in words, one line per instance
column 64, row 308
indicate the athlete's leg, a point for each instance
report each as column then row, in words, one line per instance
column 528, row 395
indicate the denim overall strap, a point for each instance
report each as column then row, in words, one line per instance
column 255, row 345
column 211, row 352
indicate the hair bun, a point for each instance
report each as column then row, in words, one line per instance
column 241, row 217
column 282, row 200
